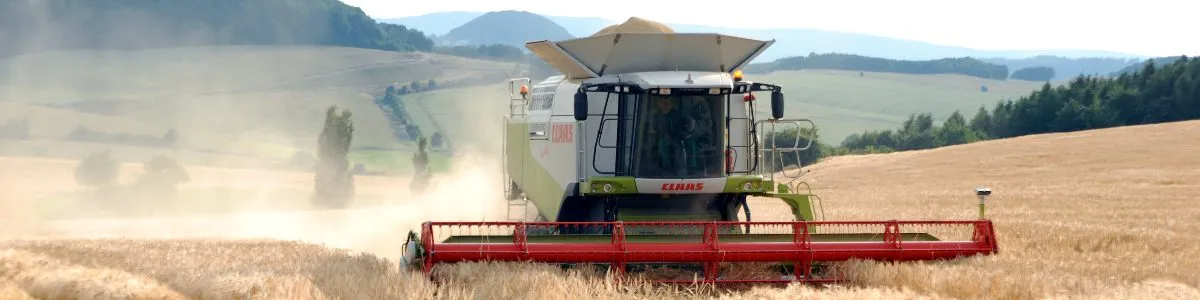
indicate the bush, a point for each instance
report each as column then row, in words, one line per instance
column 437, row 140
column 159, row 182
column 334, row 184
column 98, row 169
column 164, row 171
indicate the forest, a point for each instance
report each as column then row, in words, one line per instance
column 1153, row 94
column 838, row 61
column 35, row 26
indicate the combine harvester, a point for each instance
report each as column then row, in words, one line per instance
column 643, row 153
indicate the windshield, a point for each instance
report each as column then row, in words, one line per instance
column 680, row 136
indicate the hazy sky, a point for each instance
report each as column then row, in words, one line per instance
column 1148, row 27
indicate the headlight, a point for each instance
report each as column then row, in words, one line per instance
column 608, row 188
column 746, row 186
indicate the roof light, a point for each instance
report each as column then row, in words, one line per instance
column 714, row 91
column 664, row 91
column 524, row 90
column 737, row 75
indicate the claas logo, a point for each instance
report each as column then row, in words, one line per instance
column 682, row 186
column 563, row 133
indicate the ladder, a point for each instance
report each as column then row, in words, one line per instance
column 516, row 107
column 522, row 205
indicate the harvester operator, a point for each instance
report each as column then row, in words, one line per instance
column 673, row 132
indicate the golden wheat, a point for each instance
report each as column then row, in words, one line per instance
column 1077, row 215
column 1105, row 214
column 12, row 291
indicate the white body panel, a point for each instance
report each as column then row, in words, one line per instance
column 552, row 126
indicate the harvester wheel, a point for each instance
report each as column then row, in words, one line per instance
column 411, row 258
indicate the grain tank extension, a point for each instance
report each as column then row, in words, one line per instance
column 644, row 151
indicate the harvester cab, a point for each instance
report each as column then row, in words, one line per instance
column 645, row 150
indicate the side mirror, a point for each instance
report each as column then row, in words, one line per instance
column 581, row 106
column 777, row 104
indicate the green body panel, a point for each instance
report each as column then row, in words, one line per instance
column 621, row 185
column 733, row 184
column 539, row 186
column 801, row 204
column 627, row 185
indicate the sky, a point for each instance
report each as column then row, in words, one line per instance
column 1146, row 27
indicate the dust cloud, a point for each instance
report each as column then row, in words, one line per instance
column 241, row 113
column 471, row 191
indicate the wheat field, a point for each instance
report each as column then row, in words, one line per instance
column 1104, row 214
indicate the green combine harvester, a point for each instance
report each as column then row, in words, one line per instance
column 644, row 151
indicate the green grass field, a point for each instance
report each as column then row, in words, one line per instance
column 252, row 102
column 840, row 102
column 843, row 103
column 470, row 117
column 397, row 160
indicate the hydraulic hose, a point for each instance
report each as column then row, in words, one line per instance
column 746, row 209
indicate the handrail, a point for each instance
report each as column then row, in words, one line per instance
column 514, row 99
column 795, row 149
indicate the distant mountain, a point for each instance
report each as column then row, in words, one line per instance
column 436, row 23
column 1159, row 62
column 793, row 42
column 514, row 28
column 46, row 25
column 1067, row 67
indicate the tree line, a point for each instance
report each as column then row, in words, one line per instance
column 139, row 24
column 490, row 52
column 839, row 61
column 142, row 24
column 154, row 189
column 333, row 180
column 1150, row 95
column 1034, row 74
column 19, row 129
column 1166, row 60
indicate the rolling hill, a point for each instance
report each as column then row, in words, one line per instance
column 1138, row 66
column 790, row 42
column 230, row 105
column 35, row 26
column 510, row 27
